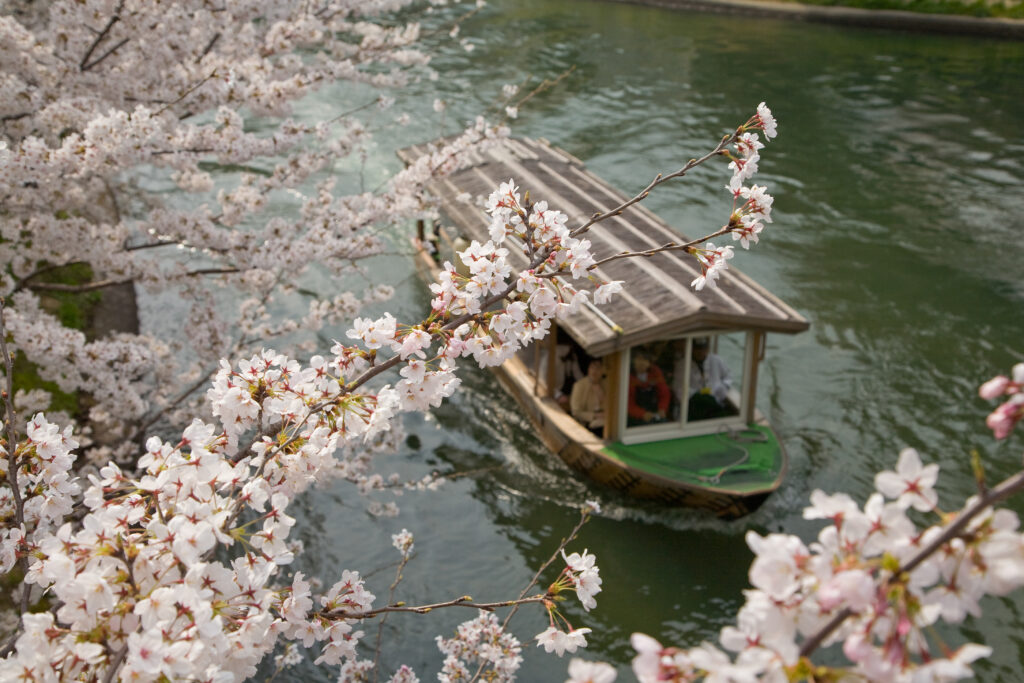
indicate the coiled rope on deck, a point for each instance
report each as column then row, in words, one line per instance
column 734, row 437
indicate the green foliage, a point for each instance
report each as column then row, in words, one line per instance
column 26, row 376
column 977, row 8
column 75, row 311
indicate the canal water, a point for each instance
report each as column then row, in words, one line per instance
column 897, row 175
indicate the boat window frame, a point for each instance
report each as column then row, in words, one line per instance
column 681, row 428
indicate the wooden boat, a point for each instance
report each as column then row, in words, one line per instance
column 727, row 462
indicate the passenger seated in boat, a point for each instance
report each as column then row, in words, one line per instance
column 649, row 394
column 568, row 371
column 587, row 401
column 710, row 382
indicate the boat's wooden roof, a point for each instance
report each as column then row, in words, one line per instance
column 657, row 301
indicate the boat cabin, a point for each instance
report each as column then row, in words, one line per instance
column 678, row 363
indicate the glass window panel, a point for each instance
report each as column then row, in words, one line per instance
column 648, row 394
column 693, row 382
column 715, row 387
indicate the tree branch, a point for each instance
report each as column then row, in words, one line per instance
column 103, row 284
column 209, row 46
column 671, row 246
column 13, row 463
column 658, row 180
column 118, row 658
column 1007, row 488
column 464, row 601
column 102, row 34
column 23, row 282
column 105, row 54
column 383, row 619
column 186, row 93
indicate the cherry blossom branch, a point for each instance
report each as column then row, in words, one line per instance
column 115, row 664
column 188, row 92
column 542, row 256
column 103, row 284
column 106, row 54
column 13, row 465
column 584, row 517
column 99, row 38
column 380, row 626
column 464, row 601
column 658, row 180
column 1005, row 489
column 23, row 282
column 12, row 420
column 671, row 246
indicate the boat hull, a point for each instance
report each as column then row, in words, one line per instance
column 586, row 453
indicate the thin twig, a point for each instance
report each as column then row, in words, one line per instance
column 464, row 601
column 118, row 658
column 658, row 180
column 209, row 46
column 383, row 619
column 185, row 394
column 103, row 284
column 546, row 84
column 671, row 246
column 354, row 110
column 186, row 93
column 102, row 34
column 13, row 463
column 105, row 54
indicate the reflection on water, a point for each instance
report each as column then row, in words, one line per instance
column 897, row 176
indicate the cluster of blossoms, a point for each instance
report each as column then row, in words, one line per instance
column 581, row 575
column 37, row 474
column 137, row 588
column 480, row 644
column 749, row 215
column 92, row 89
column 175, row 571
column 140, row 591
column 1003, row 419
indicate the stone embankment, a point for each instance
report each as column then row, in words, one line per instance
column 1012, row 29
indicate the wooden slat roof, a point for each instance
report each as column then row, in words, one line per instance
column 657, row 301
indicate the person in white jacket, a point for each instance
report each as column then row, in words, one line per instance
column 710, row 382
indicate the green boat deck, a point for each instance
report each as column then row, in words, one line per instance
column 744, row 461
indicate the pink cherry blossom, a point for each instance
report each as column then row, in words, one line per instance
column 582, row 671
column 911, row 484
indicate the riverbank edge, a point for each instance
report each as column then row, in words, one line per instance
column 1009, row 29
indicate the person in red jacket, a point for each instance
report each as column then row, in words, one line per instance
column 649, row 394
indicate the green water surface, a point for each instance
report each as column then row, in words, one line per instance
column 898, row 221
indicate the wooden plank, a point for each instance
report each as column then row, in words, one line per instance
column 612, row 368
column 757, row 341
